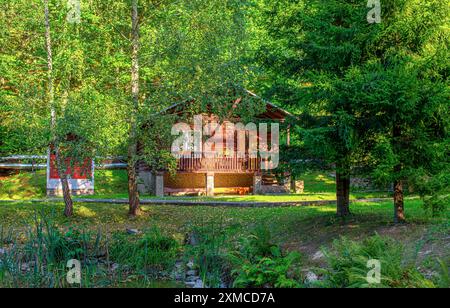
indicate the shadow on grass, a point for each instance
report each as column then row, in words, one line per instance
column 290, row 226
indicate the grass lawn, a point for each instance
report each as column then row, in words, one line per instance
column 112, row 184
column 294, row 229
column 305, row 228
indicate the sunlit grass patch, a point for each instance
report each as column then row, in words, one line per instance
column 112, row 184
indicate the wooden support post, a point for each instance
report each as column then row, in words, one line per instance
column 288, row 136
column 159, row 184
column 210, row 184
column 257, row 183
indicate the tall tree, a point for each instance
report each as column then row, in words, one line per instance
column 406, row 99
column 80, row 67
column 190, row 51
column 307, row 48
column 318, row 52
column 133, row 192
column 55, row 146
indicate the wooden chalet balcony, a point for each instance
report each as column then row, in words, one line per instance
column 234, row 164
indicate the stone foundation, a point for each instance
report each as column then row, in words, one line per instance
column 78, row 192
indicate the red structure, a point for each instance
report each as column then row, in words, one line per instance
column 83, row 172
column 81, row 178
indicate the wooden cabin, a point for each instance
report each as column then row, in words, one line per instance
column 223, row 174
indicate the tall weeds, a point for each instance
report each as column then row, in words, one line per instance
column 37, row 256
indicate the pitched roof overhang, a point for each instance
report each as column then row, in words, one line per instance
column 272, row 111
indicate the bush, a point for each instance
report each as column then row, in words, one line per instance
column 260, row 263
column 436, row 204
column 348, row 265
column 152, row 253
column 267, row 272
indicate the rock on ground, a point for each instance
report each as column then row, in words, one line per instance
column 311, row 277
column 318, row 256
column 133, row 231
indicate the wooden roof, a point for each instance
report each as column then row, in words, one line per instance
column 272, row 112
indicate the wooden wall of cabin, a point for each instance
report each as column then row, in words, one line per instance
column 198, row 180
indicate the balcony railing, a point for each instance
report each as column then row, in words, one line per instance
column 198, row 163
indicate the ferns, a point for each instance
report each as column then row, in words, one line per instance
column 261, row 263
column 348, row 265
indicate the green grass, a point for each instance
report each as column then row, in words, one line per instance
column 112, row 184
column 302, row 229
column 29, row 185
column 23, row 186
column 297, row 229
column 288, row 225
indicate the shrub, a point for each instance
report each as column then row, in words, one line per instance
column 267, row 272
column 436, row 204
column 261, row 263
column 347, row 264
column 47, row 242
column 258, row 244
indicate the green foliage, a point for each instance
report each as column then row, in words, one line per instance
column 436, row 204
column 152, row 253
column 354, row 82
column 209, row 252
column 290, row 227
column 40, row 260
column 259, row 243
column 59, row 247
column 260, row 263
column 252, row 262
column 444, row 277
column 53, row 245
column 267, row 272
column 156, row 147
column 433, row 189
column 347, row 262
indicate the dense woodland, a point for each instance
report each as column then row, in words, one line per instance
column 369, row 98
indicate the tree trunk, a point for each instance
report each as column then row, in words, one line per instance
column 293, row 184
column 51, row 94
column 68, row 211
column 68, row 208
column 133, row 193
column 343, row 193
column 399, row 206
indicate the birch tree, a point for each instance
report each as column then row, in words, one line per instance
column 133, row 193
column 55, row 146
